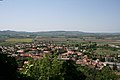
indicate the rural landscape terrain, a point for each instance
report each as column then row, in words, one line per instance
column 59, row 39
column 59, row 55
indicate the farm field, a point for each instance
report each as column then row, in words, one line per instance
column 79, row 40
column 100, row 51
column 19, row 40
column 12, row 41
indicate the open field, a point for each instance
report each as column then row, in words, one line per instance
column 19, row 40
column 100, row 51
column 79, row 40
column 12, row 41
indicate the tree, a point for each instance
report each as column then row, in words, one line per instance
column 70, row 72
column 8, row 67
column 107, row 74
column 52, row 68
column 55, row 68
column 90, row 73
column 47, row 68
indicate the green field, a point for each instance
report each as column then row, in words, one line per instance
column 101, row 51
column 19, row 40
column 12, row 41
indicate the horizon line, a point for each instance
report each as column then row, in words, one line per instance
column 60, row 30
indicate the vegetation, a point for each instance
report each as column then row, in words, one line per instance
column 101, row 51
column 93, row 74
column 19, row 40
column 8, row 67
column 13, row 41
column 50, row 67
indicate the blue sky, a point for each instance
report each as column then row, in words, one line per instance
column 68, row 15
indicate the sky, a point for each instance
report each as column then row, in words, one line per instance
column 58, row 15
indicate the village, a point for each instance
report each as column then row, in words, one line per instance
column 36, row 50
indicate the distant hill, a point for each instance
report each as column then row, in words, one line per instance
column 45, row 33
column 10, row 33
column 60, row 33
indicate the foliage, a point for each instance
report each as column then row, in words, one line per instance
column 107, row 74
column 44, row 69
column 90, row 73
column 70, row 72
column 8, row 67
column 51, row 68
column 93, row 74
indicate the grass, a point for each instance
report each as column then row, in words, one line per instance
column 19, row 40
column 101, row 51
column 12, row 41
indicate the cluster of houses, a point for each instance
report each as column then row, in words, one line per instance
column 36, row 51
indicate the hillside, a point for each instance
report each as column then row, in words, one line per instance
column 9, row 33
